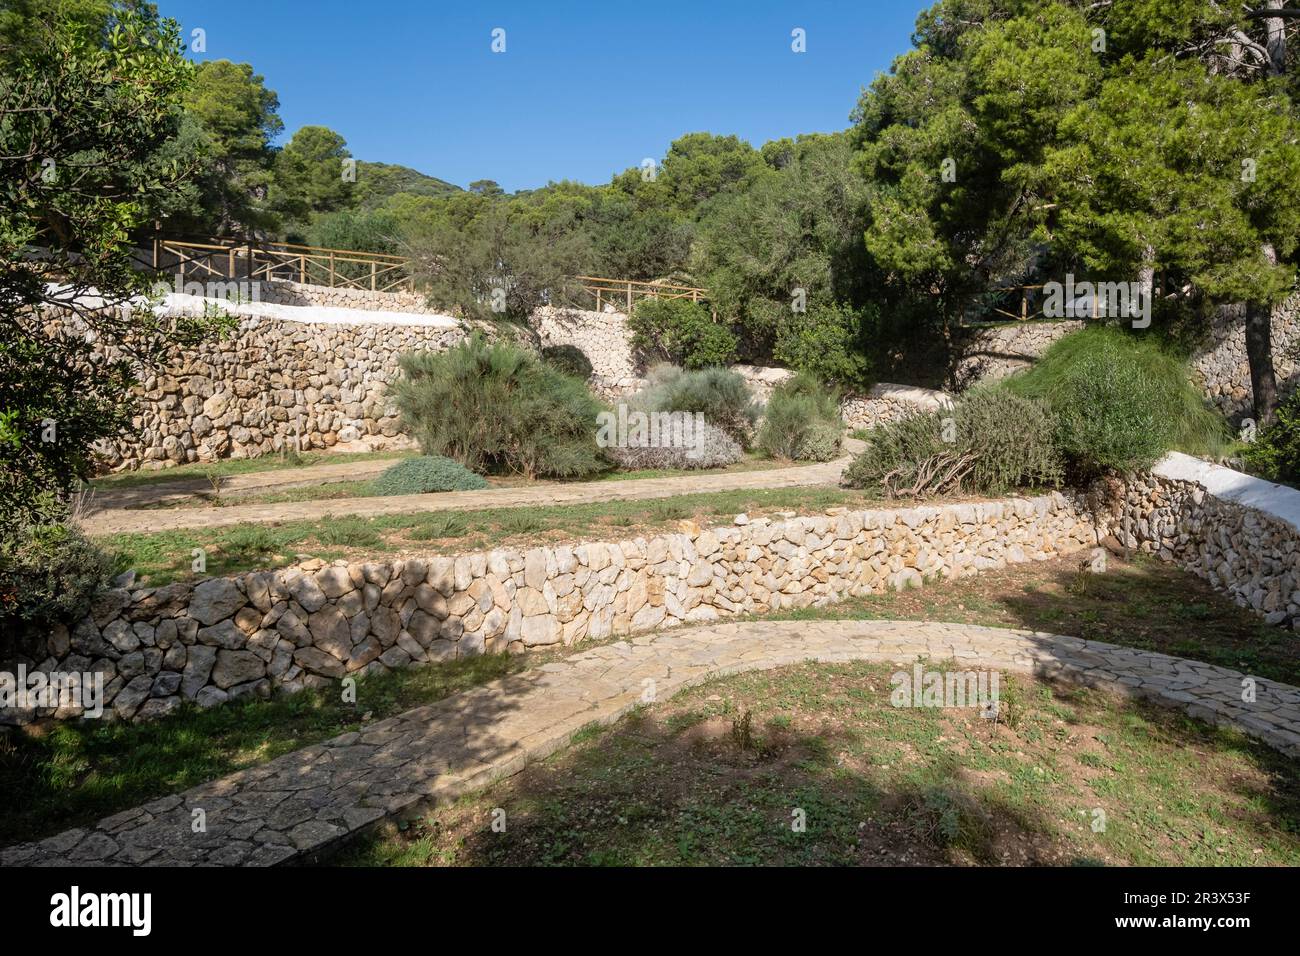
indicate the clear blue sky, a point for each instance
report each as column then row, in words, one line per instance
column 583, row 90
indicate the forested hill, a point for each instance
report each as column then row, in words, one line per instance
column 377, row 181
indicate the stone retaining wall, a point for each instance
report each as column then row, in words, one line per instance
column 887, row 403
column 279, row 292
column 602, row 336
column 1239, row 533
column 310, row 625
column 993, row 353
column 1221, row 362
column 274, row 385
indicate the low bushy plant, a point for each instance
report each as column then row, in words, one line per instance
column 499, row 409
column 990, row 443
column 426, row 474
column 721, row 395
column 681, row 332
column 709, row 447
column 1120, row 402
column 801, row 421
column 1275, row 452
column 48, row 575
column 822, row 441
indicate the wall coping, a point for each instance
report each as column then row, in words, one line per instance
column 180, row 303
column 1277, row 501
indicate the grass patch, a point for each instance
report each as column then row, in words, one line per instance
column 166, row 556
column 76, row 773
column 695, row 781
column 1141, row 602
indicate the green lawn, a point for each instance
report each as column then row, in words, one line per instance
column 166, row 556
column 723, row 774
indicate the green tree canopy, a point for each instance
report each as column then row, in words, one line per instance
column 239, row 120
column 83, row 118
column 311, row 176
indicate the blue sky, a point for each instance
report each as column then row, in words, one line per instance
column 583, row 89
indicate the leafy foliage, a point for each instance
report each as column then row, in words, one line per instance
column 721, row 395
column 236, row 119
column 681, row 332
column 992, row 442
column 1275, row 453
column 797, row 232
column 428, row 473
column 499, row 409
column 83, row 118
column 48, row 576
column 309, row 175
column 1120, row 401
column 709, row 447
column 801, row 421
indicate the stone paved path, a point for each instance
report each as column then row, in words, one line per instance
column 300, row 805
column 579, row 492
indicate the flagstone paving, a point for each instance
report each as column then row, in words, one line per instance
column 301, row 805
column 118, row 520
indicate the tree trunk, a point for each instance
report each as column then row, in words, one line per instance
column 1276, row 42
column 1259, row 315
column 1259, row 354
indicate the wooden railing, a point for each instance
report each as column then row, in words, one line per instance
column 253, row 261
column 627, row 291
column 346, row 268
column 1024, row 303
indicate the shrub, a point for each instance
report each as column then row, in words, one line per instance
column 828, row 342
column 801, row 421
column 991, row 442
column 821, row 442
column 497, row 408
column 1275, row 453
column 711, row 448
column 429, row 473
column 568, row 359
column 1120, row 402
column 681, row 332
column 48, row 575
column 723, row 397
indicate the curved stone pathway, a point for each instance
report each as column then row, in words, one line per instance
column 144, row 521
column 300, row 805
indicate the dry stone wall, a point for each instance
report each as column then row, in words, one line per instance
column 887, row 403
column 274, row 385
column 259, row 632
column 1239, row 533
column 994, row 352
column 1221, row 362
column 295, row 293
column 602, row 336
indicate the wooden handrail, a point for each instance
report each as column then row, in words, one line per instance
column 312, row 263
column 309, row 263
